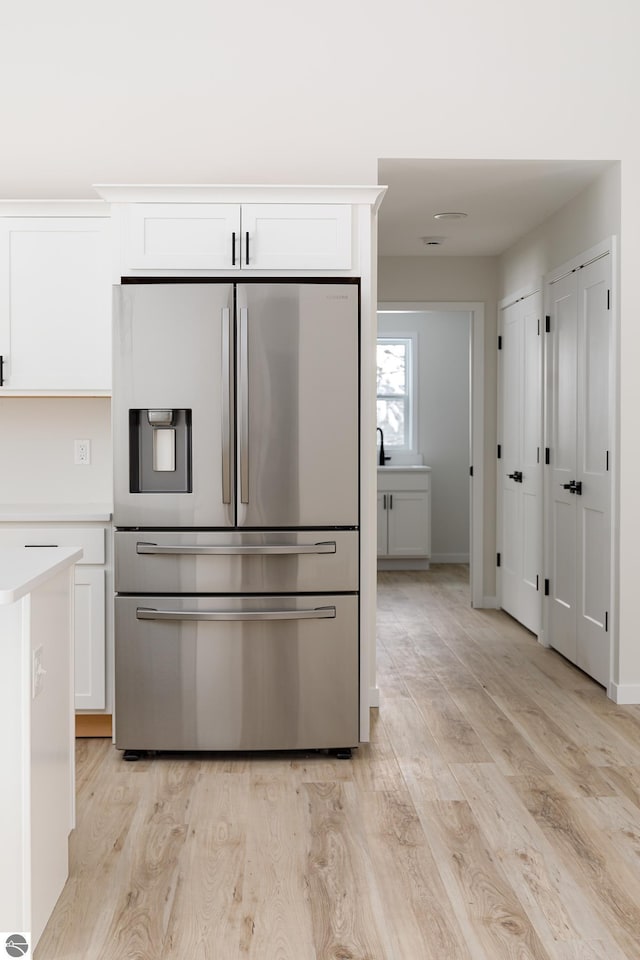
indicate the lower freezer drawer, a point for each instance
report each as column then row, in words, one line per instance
column 236, row 673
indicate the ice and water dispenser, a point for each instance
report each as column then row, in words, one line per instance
column 160, row 451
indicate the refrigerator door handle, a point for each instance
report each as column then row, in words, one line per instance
column 234, row 549
column 317, row 613
column 226, row 405
column 244, row 408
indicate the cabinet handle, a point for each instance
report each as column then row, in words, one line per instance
column 247, row 248
column 384, row 501
column 233, row 249
column 1, row 371
column 390, row 501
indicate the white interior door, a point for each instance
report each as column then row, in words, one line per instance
column 520, row 462
column 579, row 499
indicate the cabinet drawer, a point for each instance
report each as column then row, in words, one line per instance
column 89, row 538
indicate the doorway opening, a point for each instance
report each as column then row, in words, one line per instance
column 448, row 424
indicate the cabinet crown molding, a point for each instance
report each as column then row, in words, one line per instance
column 238, row 193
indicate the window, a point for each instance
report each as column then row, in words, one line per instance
column 395, row 391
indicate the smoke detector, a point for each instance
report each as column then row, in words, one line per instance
column 433, row 241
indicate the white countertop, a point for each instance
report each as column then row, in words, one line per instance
column 55, row 512
column 22, row 569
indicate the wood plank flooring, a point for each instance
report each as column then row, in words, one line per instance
column 495, row 815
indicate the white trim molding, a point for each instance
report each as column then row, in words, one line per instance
column 624, row 693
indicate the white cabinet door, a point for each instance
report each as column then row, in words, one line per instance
column 382, row 524
column 182, row 236
column 296, row 236
column 519, row 465
column 408, row 524
column 89, row 638
column 233, row 236
column 579, row 514
column 55, row 304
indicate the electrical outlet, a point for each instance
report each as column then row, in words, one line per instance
column 38, row 672
column 82, row 452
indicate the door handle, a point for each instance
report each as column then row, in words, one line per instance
column 317, row 613
column 246, row 259
column 516, row 475
column 574, row 486
column 1, row 371
column 226, row 404
column 244, row 407
column 235, row 549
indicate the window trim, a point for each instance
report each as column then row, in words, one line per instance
column 411, row 337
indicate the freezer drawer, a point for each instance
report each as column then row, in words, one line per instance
column 236, row 562
column 234, row 673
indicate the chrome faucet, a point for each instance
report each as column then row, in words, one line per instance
column 383, row 459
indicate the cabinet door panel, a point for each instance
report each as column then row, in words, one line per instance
column 408, row 525
column 55, row 303
column 296, row 236
column 382, row 524
column 183, row 236
column 89, row 638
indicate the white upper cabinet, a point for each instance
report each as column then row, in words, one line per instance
column 182, row 236
column 55, row 304
column 234, row 236
column 296, row 236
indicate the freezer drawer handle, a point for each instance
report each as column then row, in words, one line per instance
column 232, row 549
column 318, row 613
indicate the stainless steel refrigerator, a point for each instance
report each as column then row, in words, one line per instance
column 236, row 506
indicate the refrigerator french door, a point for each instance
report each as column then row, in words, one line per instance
column 236, row 469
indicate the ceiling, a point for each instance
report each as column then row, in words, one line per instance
column 503, row 200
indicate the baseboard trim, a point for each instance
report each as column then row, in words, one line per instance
column 449, row 558
column 403, row 564
column 624, row 693
column 94, row 725
column 374, row 697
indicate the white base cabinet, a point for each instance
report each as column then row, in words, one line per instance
column 404, row 513
column 89, row 601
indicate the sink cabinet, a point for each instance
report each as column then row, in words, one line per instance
column 404, row 514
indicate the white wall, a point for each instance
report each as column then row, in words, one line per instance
column 442, row 420
column 37, row 450
column 590, row 217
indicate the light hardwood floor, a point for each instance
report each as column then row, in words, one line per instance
column 494, row 816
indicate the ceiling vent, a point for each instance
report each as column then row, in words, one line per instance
column 433, row 241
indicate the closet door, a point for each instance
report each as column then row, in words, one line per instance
column 519, row 465
column 579, row 514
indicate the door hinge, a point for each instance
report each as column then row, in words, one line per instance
column 471, row 471
column 547, row 324
column 499, row 451
column 547, row 456
column 608, row 299
column 546, row 588
column 497, row 559
column 499, row 343
column 606, row 621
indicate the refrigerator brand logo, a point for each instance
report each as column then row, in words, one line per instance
column 337, row 296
